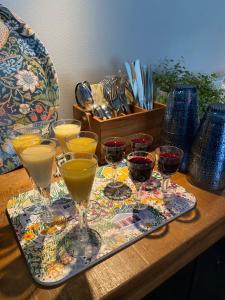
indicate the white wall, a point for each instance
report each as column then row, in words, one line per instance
column 88, row 39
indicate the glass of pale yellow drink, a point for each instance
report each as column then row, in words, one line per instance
column 78, row 171
column 85, row 141
column 38, row 159
column 65, row 128
column 27, row 136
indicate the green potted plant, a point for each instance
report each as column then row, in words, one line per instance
column 170, row 72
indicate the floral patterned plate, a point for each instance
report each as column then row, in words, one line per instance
column 29, row 90
column 114, row 224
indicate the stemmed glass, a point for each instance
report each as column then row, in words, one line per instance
column 27, row 136
column 141, row 142
column 38, row 159
column 168, row 159
column 140, row 165
column 65, row 128
column 114, row 149
column 78, row 171
column 85, row 141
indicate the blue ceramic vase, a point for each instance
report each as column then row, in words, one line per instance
column 207, row 161
column 181, row 121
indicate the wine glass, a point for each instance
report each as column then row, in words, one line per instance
column 141, row 142
column 114, row 149
column 38, row 159
column 25, row 134
column 25, row 137
column 168, row 159
column 85, row 141
column 78, row 171
column 65, row 128
column 140, row 165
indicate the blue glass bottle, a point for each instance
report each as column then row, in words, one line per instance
column 207, row 159
column 181, row 121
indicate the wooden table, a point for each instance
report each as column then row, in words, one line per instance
column 131, row 273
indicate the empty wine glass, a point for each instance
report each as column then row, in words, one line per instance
column 114, row 149
column 78, row 171
column 38, row 159
column 140, row 165
column 141, row 142
column 168, row 159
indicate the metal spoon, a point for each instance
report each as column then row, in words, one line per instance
column 83, row 96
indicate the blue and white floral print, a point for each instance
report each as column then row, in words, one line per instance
column 28, row 83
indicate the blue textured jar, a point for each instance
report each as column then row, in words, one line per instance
column 181, row 121
column 207, row 160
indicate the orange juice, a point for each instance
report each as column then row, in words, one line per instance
column 79, row 175
column 38, row 160
column 21, row 142
column 63, row 131
column 82, row 144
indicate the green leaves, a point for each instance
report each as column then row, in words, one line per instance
column 168, row 73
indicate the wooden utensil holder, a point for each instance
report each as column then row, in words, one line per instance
column 140, row 120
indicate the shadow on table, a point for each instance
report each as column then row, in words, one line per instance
column 147, row 219
column 190, row 217
column 16, row 280
column 14, row 276
column 7, row 243
column 159, row 233
column 75, row 288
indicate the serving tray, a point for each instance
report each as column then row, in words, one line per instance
column 114, row 224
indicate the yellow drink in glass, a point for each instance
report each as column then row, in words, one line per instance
column 79, row 175
column 82, row 144
column 21, row 142
column 63, row 131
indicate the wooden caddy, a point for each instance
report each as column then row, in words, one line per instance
column 140, row 120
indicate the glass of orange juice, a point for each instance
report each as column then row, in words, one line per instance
column 65, row 128
column 85, row 141
column 78, row 171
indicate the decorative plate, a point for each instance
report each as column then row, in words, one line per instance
column 29, row 90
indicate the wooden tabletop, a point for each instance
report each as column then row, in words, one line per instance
column 129, row 274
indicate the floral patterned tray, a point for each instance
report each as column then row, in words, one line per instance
column 114, row 224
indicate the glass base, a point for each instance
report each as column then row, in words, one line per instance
column 86, row 247
column 121, row 193
column 115, row 184
column 139, row 206
column 54, row 221
column 152, row 184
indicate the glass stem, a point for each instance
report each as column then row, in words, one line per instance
column 46, row 198
column 165, row 183
column 138, row 187
column 114, row 175
column 82, row 211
